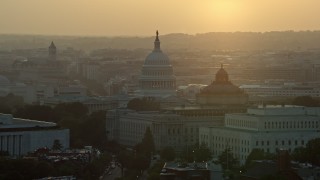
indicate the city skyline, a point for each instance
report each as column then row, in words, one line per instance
column 142, row 18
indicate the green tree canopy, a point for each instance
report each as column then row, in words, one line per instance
column 305, row 101
column 202, row 153
column 259, row 154
column 227, row 160
column 312, row 149
column 310, row 153
column 147, row 144
column 144, row 104
column 300, row 154
column 36, row 112
column 168, row 153
column 10, row 103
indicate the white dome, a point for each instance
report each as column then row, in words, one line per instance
column 157, row 57
column 157, row 78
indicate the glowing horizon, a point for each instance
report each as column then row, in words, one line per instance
column 143, row 17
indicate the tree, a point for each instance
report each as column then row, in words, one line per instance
column 56, row 145
column 312, row 149
column 147, row 144
column 305, row 101
column 144, row 104
column 188, row 154
column 76, row 110
column 141, row 162
column 35, row 112
column 153, row 172
column 167, row 153
column 10, row 103
column 202, row 153
column 93, row 129
column 255, row 154
column 300, row 154
column 227, row 160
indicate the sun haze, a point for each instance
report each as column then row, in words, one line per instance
column 142, row 17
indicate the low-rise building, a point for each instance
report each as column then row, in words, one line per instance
column 20, row 136
column 269, row 128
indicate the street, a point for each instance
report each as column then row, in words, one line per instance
column 116, row 172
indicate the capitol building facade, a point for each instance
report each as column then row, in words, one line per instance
column 175, row 126
column 157, row 78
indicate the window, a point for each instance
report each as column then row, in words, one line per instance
column 282, row 142
column 267, row 143
column 257, row 143
column 276, row 142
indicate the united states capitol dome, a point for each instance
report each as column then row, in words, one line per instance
column 157, row 78
column 157, row 57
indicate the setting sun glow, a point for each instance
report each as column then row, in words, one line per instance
column 141, row 17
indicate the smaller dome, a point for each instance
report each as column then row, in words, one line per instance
column 52, row 46
column 222, row 75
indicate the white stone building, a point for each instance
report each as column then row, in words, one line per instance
column 127, row 127
column 258, row 90
column 157, row 78
column 268, row 128
column 178, row 125
column 20, row 136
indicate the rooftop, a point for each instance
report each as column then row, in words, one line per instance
column 7, row 121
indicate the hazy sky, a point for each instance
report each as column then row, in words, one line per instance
column 143, row 17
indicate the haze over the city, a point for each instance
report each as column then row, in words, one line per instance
column 143, row 17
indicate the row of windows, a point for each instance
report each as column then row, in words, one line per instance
column 230, row 140
column 241, row 123
column 186, row 130
column 282, row 142
column 158, row 62
column 157, row 73
column 291, row 124
column 297, row 92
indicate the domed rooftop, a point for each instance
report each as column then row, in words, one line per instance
column 157, row 57
column 222, row 92
column 222, row 75
column 218, row 88
column 157, row 78
column 221, row 85
column 52, row 46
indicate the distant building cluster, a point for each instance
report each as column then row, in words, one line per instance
column 176, row 126
column 194, row 107
column 218, row 114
